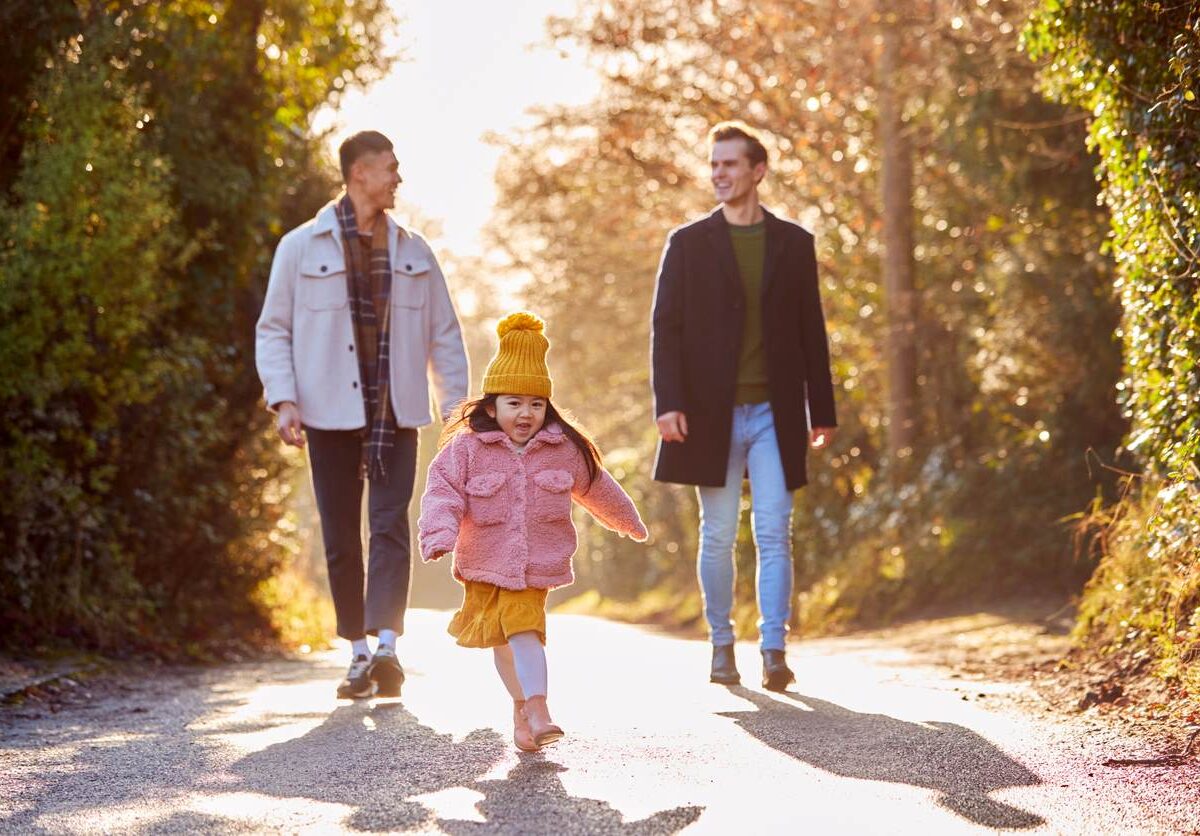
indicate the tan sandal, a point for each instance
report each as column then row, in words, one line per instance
column 541, row 726
column 522, row 735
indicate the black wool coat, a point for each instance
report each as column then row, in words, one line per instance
column 697, row 336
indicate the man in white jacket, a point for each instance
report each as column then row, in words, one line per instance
column 357, row 318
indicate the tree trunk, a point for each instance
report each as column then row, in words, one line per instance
column 899, row 292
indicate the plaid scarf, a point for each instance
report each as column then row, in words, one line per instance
column 372, row 333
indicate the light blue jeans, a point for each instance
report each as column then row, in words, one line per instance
column 753, row 447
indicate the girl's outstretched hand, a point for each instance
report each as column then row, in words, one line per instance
column 438, row 555
column 640, row 534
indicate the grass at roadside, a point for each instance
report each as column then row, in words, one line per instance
column 1139, row 615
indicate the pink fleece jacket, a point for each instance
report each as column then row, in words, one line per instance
column 507, row 516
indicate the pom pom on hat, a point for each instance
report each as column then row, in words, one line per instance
column 519, row 367
column 520, row 321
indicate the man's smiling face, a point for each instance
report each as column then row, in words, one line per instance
column 733, row 177
column 378, row 173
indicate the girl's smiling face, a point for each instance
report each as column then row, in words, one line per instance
column 520, row 416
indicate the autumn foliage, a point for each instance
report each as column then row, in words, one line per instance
column 1013, row 318
column 1039, row 156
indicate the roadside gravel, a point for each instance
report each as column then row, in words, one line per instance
column 879, row 735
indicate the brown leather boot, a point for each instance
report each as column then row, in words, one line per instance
column 522, row 735
column 543, row 728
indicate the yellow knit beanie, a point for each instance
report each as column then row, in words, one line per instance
column 519, row 367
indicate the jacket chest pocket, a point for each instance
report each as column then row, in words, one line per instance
column 322, row 286
column 487, row 503
column 552, row 495
column 410, row 282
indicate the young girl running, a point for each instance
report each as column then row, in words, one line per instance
column 499, row 496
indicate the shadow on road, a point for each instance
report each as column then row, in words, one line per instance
column 373, row 757
column 960, row 765
column 370, row 757
column 534, row 789
column 146, row 762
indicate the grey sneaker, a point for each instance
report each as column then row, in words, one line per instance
column 357, row 683
column 386, row 673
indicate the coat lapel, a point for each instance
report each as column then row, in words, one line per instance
column 776, row 244
column 717, row 234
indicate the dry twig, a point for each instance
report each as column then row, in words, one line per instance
column 1174, row 759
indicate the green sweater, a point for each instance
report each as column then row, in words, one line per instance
column 750, row 248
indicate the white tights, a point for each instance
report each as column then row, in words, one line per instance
column 522, row 665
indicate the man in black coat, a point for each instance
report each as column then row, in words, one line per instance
column 742, row 386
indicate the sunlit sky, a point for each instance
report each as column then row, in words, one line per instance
column 469, row 67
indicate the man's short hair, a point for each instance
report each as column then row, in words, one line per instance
column 736, row 129
column 359, row 145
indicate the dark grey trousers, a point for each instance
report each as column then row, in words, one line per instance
column 379, row 603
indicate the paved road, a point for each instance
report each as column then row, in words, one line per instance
column 871, row 741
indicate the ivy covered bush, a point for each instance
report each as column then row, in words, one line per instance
column 1135, row 67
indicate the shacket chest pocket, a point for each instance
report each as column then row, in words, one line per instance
column 487, row 500
column 322, row 285
column 410, row 282
column 552, row 495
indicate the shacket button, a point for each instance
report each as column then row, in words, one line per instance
column 351, row 346
column 324, row 268
column 355, row 384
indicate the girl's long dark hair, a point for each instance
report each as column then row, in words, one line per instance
column 472, row 415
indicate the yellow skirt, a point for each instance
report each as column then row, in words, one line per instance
column 490, row 614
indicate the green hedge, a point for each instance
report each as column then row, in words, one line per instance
column 162, row 151
column 1135, row 67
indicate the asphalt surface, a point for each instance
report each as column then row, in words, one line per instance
column 871, row 740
